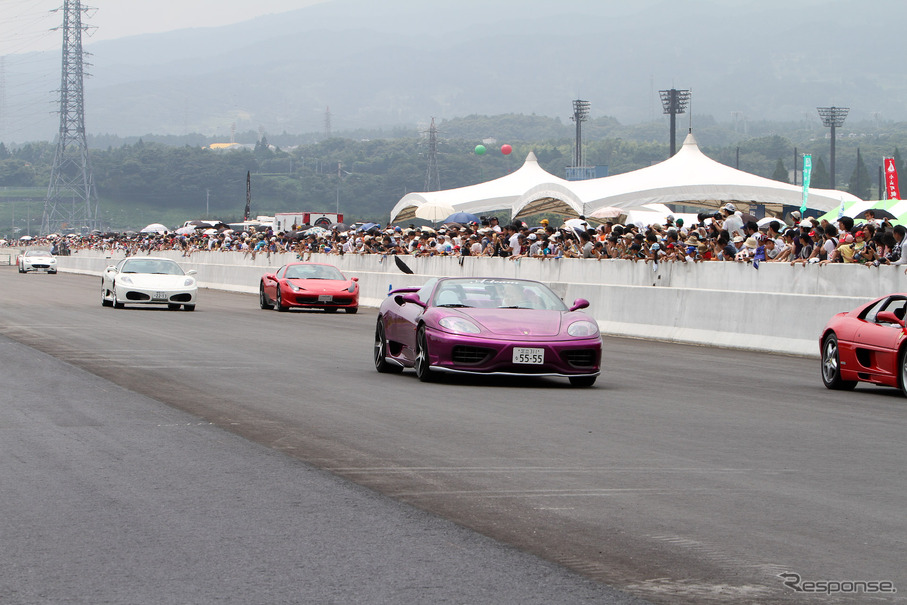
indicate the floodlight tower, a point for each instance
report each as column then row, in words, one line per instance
column 833, row 117
column 674, row 102
column 70, row 192
column 432, row 176
column 580, row 115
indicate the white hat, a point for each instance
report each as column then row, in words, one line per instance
column 533, row 236
column 730, row 207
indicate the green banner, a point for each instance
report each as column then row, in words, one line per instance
column 807, row 170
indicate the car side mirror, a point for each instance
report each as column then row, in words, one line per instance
column 354, row 279
column 887, row 317
column 110, row 268
column 579, row 303
column 191, row 272
column 409, row 297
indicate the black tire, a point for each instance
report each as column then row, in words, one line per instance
column 902, row 380
column 189, row 307
column 380, row 352
column 831, row 366
column 263, row 300
column 105, row 302
column 279, row 302
column 173, row 306
column 422, row 364
column 116, row 303
column 583, row 381
column 352, row 310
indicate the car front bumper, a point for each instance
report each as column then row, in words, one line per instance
column 341, row 300
column 466, row 354
column 41, row 266
column 148, row 296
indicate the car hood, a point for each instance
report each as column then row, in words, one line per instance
column 516, row 322
column 147, row 280
column 44, row 258
column 320, row 285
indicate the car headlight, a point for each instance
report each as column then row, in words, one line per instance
column 125, row 279
column 293, row 286
column 352, row 287
column 582, row 328
column 458, row 324
column 189, row 282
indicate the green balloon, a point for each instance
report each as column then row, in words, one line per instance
column 480, row 149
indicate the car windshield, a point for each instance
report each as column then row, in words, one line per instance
column 37, row 253
column 313, row 272
column 496, row 294
column 159, row 266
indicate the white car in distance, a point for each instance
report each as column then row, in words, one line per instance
column 37, row 260
column 149, row 280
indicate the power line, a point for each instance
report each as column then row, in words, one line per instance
column 71, row 191
column 432, row 175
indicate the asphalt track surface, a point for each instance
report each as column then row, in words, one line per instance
column 686, row 475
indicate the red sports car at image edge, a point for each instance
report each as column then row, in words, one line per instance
column 868, row 344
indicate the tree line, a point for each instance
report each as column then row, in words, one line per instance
column 140, row 181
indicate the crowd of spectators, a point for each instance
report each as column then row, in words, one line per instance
column 724, row 236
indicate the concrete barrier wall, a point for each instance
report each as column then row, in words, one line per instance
column 776, row 308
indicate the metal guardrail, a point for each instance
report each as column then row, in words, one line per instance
column 6, row 258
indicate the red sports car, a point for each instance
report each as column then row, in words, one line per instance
column 868, row 344
column 312, row 285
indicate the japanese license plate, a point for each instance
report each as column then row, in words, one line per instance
column 325, row 298
column 160, row 296
column 529, row 356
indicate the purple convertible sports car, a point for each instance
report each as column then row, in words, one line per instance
column 486, row 326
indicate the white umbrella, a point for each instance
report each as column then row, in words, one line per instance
column 434, row 212
column 576, row 223
column 26, row 238
column 764, row 222
column 155, row 228
column 185, row 231
column 607, row 212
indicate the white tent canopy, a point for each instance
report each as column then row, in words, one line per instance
column 689, row 177
column 491, row 195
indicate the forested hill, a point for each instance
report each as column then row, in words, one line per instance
column 169, row 180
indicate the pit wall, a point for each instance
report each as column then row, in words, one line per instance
column 776, row 308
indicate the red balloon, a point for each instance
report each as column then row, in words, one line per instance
column 506, row 149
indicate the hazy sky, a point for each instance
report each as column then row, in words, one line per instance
column 26, row 25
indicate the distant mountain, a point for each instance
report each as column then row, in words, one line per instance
column 402, row 62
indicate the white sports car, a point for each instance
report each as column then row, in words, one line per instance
column 37, row 260
column 148, row 280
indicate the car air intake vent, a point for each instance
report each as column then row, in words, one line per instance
column 581, row 358
column 185, row 297
column 469, row 355
column 137, row 296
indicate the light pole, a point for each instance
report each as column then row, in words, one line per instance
column 674, row 102
column 832, row 117
column 580, row 115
